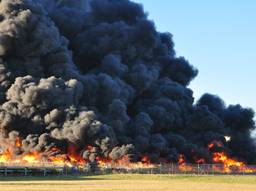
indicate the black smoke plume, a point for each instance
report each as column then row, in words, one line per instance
column 101, row 75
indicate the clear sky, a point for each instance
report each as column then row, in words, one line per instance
column 219, row 38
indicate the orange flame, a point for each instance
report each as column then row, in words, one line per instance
column 69, row 159
column 182, row 164
column 229, row 164
column 73, row 158
column 145, row 160
column 215, row 143
column 6, row 156
column 18, row 142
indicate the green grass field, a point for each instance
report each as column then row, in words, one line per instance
column 130, row 183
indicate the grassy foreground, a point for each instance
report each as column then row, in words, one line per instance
column 130, row 183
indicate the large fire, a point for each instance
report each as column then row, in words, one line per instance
column 72, row 158
column 37, row 158
column 229, row 165
column 222, row 162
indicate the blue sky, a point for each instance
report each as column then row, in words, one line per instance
column 219, row 38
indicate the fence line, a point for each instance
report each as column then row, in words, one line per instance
column 44, row 169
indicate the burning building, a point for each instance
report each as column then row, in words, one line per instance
column 99, row 83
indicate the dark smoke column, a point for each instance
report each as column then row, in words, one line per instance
column 98, row 73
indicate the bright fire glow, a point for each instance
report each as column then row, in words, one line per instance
column 182, row 164
column 73, row 158
column 229, row 164
column 37, row 158
column 215, row 144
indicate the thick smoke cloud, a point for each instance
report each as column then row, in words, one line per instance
column 73, row 75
